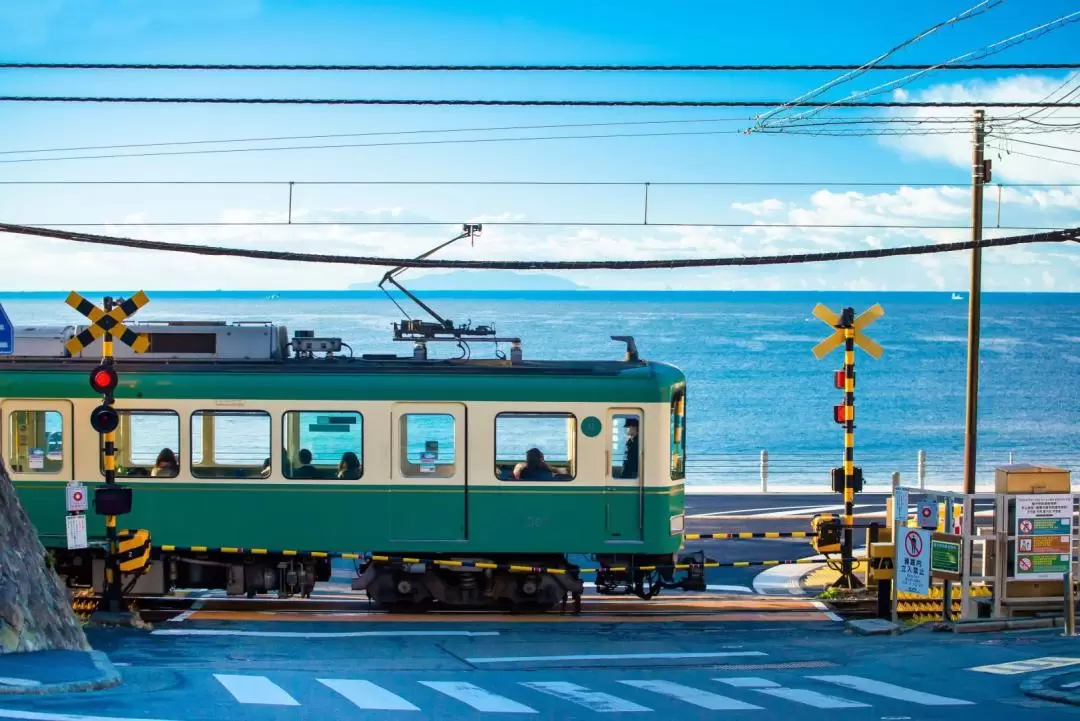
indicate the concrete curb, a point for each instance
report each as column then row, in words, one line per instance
column 109, row 678
column 1038, row 687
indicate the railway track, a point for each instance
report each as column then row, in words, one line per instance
column 704, row 606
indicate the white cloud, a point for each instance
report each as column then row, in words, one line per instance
column 763, row 207
column 1012, row 161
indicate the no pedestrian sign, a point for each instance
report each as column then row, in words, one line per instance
column 913, row 562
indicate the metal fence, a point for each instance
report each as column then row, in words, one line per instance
column 811, row 470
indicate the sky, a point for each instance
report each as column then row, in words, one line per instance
column 919, row 179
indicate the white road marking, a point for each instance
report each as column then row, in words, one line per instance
column 612, row 657
column 697, row 697
column 780, row 580
column 36, row 716
column 832, row 616
column 196, row 606
column 315, row 634
column 710, row 587
column 812, row 698
column 368, row 696
column 477, row 697
column 20, row 682
column 256, row 690
column 1027, row 666
column 888, row 690
column 748, row 682
column 592, row 700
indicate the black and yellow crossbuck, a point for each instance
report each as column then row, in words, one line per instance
column 110, row 323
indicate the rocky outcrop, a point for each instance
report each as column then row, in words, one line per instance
column 35, row 613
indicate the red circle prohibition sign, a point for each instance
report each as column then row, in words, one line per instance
column 77, row 496
column 913, row 543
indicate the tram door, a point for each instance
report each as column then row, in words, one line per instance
column 624, row 493
column 428, row 494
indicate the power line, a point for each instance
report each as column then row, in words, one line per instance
column 521, row 68
column 965, row 121
column 1057, row 236
column 325, row 136
column 1044, row 145
column 569, row 183
column 519, row 103
column 525, row 224
column 1034, row 157
column 441, row 141
column 991, row 49
column 388, row 144
column 975, row 11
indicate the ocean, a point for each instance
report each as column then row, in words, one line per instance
column 753, row 384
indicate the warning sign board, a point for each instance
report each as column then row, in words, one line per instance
column 76, row 498
column 945, row 556
column 76, row 532
column 913, row 562
column 1043, row 536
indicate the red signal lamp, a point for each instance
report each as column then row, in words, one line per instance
column 103, row 379
column 840, row 379
column 839, row 413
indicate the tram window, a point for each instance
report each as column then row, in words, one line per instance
column 230, row 444
column 147, row 444
column 323, row 444
column 37, row 441
column 427, row 448
column 678, row 435
column 625, row 445
column 553, row 434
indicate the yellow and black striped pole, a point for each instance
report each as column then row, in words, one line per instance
column 113, row 595
column 847, row 321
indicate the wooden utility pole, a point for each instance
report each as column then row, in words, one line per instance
column 971, row 416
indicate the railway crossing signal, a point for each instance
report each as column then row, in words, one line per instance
column 847, row 479
column 110, row 500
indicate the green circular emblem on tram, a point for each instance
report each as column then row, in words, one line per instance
column 591, row 426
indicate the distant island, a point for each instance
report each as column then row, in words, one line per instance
column 481, row 280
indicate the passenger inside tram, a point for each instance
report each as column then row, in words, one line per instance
column 166, row 465
column 349, row 467
column 535, row 468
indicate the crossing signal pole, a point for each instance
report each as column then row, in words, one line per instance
column 847, row 479
column 110, row 500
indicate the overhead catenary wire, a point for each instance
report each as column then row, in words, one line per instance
column 971, row 12
column 541, row 183
column 917, row 120
column 518, row 224
column 802, row 67
column 1056, row 236
column 395, row 143
column 465, row 102
column 991, row 49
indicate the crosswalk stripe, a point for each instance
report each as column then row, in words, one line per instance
column 477, row 697
column 748, row 682
column 888, row 690
column 811, row 698
column 1027, row 666
column 697, row 697
column 592, row 700
column 366, row 695
column 256, row 690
